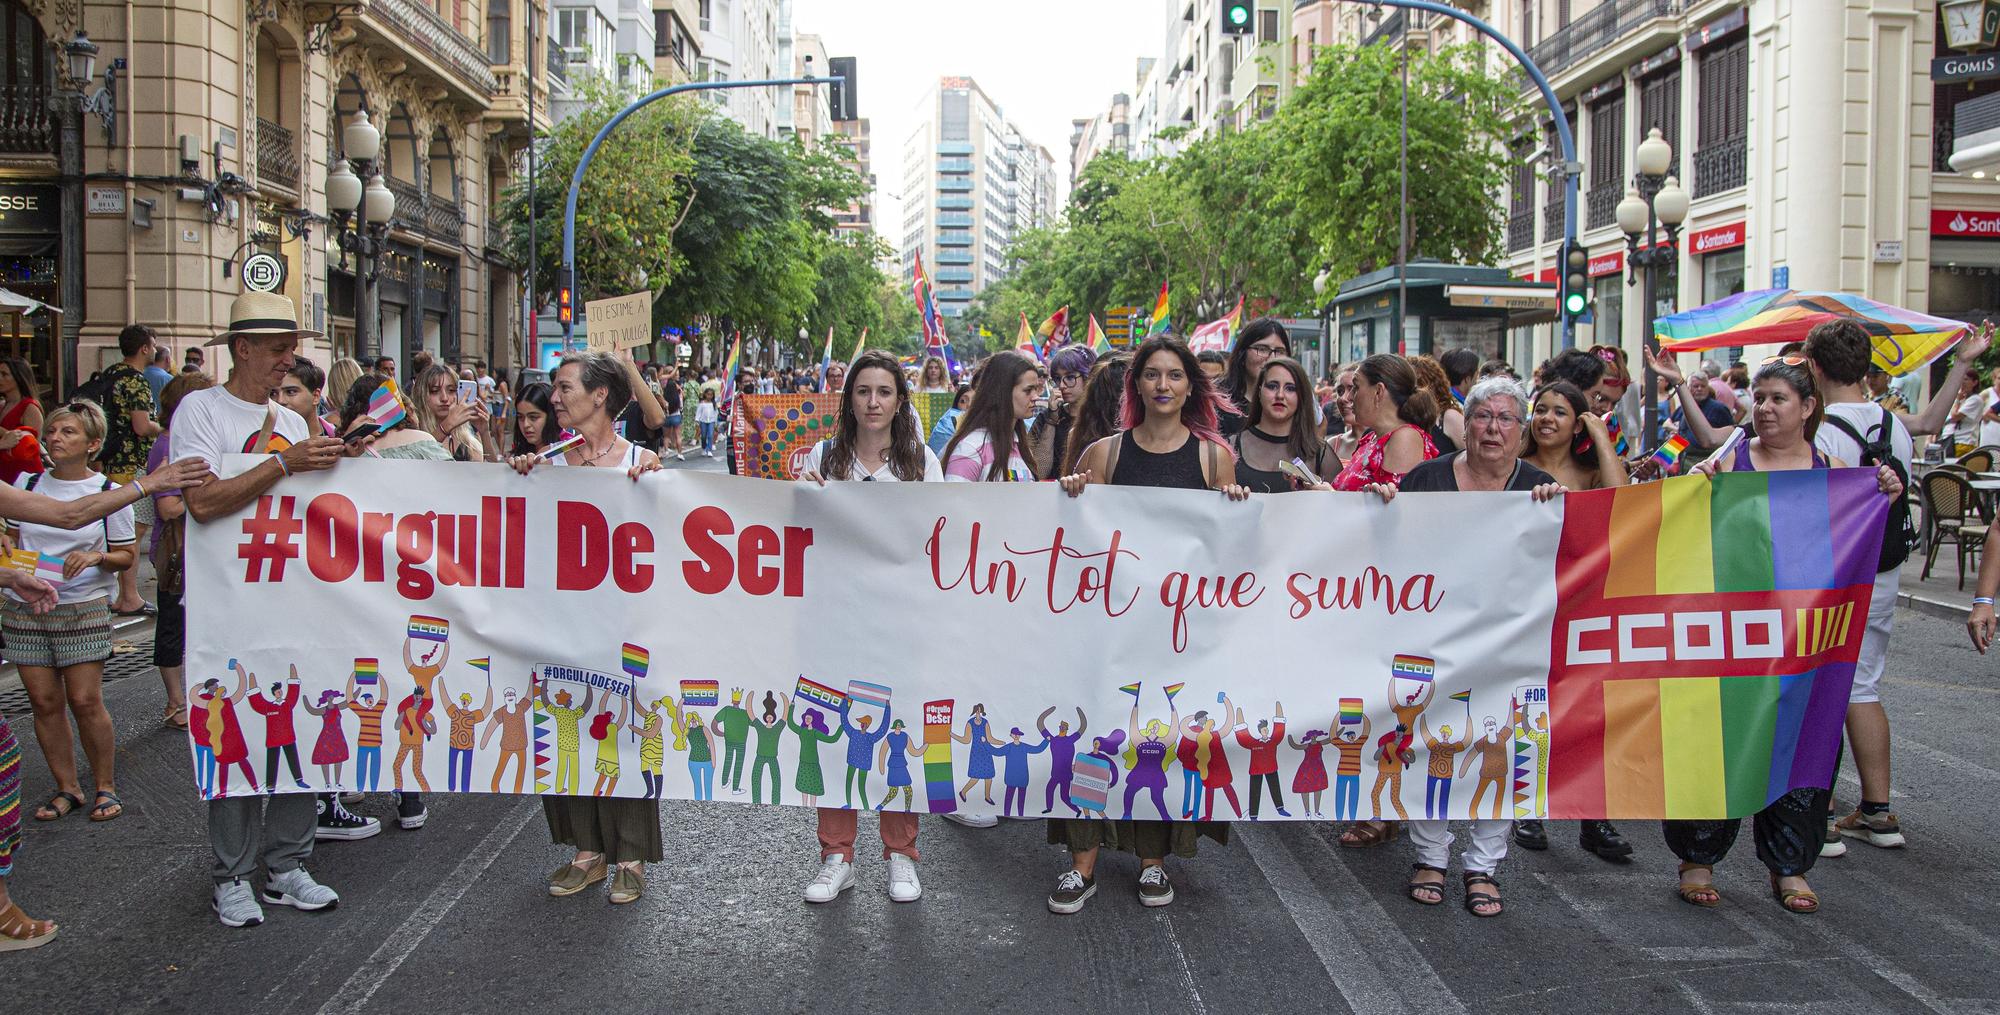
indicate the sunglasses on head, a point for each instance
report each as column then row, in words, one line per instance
column 1790, row 361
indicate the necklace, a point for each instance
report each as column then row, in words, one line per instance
column 594, row 459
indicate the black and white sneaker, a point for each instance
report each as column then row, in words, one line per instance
column 1154, row 888
column 1072, row 891
column 410, row 812
column 339, row 824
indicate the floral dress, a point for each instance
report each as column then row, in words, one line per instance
column 1365, row 467
column 808, row 781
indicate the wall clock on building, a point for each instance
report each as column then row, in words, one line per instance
column 1971, row 24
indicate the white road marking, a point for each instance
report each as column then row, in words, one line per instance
column 1186, row 968
column 353, row 996
column 1377, row 970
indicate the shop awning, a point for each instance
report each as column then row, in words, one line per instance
column 1503, row 297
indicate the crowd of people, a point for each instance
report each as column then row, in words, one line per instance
column 127, row 463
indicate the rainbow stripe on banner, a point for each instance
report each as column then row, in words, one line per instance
column 1172, row 689
column 1131, row 689
column 1418, row 668
column 937, row 757
column 430, row 628
column 821, row 695
column 1464, row 696
column 366, row 671
column 1706, row 639
column 1350, row 711
column 864, row 693
column 700, row 693
column 636, row 660
column 483, row 664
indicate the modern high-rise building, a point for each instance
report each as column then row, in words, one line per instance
column 853, row 138
column 739, row 42
column 812, row 117
column 1206, row 79
column 1108, row 131
column 972, row 181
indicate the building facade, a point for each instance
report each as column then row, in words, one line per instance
column 225, row 122
column 972, row 181
column 739, row 42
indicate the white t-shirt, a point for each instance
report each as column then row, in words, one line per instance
column 1964, row 422
column 1865, row 418
column 212, row 423
column 933, row 472
column 114, row 530
column 1989, row 432
column 705, row 412
column 972, row 460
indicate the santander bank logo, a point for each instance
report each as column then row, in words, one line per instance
column 1958, row 223
column 1951, row 222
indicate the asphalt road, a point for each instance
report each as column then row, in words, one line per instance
column 454, row 917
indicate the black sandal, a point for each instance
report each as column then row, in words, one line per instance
column 75, row 804
column 1473, row 900
column 101, row 809
column 1427, row 887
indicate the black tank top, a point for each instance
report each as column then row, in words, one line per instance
column 1258, row 480
column 1179, row 469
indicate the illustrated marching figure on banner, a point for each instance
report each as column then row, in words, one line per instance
column 864, row 719
column 414, row 726
column 812, row 731
column 691, row 735
column 367, row 705
column 1149, row 755
column 462, row 720
column 650, row 724
column 1263, row 750
column 569, row 731
column 1531, row 729
column 732, row 726
column 604, row 729
column 1309, row 780
column 1096, row 774
column 979, row 766
column 1353, row 740
column 280, row 736
column 1444, row 751
column 1062, row 756
column 511, row 721
column 1014, row 777
column 1494, row 754
column 897, row 750
column 223, row 731
column 330, row 747
column 769, row 726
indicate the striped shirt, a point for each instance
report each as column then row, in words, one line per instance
column 1350, row 756
column 371, row 723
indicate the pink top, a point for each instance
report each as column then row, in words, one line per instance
column 972, row 460
column 1365, row 466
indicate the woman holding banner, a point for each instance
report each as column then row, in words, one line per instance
column 1395, row 415
column 1495, row 410
column 1281, row 430
column 1170, row 440
column 991, row 445
column 876, row 441
column 534, row 420
column 589, row 390
column 1788, row 832
column 1571, row 443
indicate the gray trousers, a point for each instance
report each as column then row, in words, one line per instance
column 286, row 822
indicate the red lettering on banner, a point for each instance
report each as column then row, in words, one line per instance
column 428, row 548
column 1238, row 593
column 1417, row 592
column 458, row 550
column 580, row 529
column 413, row 550
column 1092, row 583
column 1000, row 574
column 714, row 569
column 375, row 527
column 628, row 541
column 333, row 541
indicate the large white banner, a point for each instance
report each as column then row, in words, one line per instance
column 930, row 647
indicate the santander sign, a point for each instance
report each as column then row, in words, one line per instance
column 1951, row 222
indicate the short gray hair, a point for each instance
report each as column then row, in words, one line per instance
column 1497, row 387
column 601, row 371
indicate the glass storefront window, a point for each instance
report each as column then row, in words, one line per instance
column 1608, row 309
column 1721, row 274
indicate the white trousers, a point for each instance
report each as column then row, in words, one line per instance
column 1488, row 846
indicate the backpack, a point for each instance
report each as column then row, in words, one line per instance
column 1899, row 533
column 99, row 389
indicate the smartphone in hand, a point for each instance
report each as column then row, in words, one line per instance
column 468, row 392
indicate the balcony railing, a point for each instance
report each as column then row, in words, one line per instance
column 1601, row 204
column 443, row 219
column 1721, row 166
column 1521, row 230
column 557, row 63
column 1552, row 217
column 277, row 155
column 26, row 126
column 1597, row 28
column 423, row 28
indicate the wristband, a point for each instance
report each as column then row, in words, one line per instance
column 282, row 467
column 136, row 486
column 1982, row 600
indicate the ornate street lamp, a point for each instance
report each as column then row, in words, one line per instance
column 361, row 213
column 1655, row 201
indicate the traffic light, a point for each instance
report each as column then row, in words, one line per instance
column 1573, row 289
column 565, row 308
column 1238, row 17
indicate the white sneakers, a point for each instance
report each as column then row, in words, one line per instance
column 971, row 820
column 903, row 883
column 836, row 875
column 297, row 889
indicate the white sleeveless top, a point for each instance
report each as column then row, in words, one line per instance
column 627, row 461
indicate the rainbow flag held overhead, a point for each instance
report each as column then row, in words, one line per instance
column 729, row 367
column 483, row 664
column 1131, row 689
column 1705, row 640
column 1464, row 696
column 1054, row 332
column 700, row 693
column 366, row 672
column 1025, row 342
column 1159, row 324
column 1668, row 454
column 1098, row 342
column 936, row 342
column 635, row 660
column 1350, row 711
column 1904, row 340
column 1216, row 334
column 821, row 695
column 826, row 359
column 1172, row 689
column 1418, row 668
column 861, row 692
column 430, row 628
column 859, row 344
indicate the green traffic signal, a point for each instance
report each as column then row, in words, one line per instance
column 1573, row 303
column 1239, row 14
column 1236, row 18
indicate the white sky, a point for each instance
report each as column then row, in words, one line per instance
column 1043, row 62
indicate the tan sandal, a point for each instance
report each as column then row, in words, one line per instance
column 1786, row 896
column 176, row 718
column 570, row 879
column 627, row 884
column 1692, row 894
column 1364, row 835
column 20, row 932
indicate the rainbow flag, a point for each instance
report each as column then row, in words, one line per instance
column 1350, row 711
column 1705, row 640
column 430, row 628
column 1098, row 342
column 936, row 342
column 1159, row 323
column 483, row 664
column 864, row 693
column 1669, row 453
column 729, row 367
column 1464, row 696
column 1416, row 668
column 635, row 660
column 366, row 672
column 938, row 788
column 1054, row 332
column 384, row 408
column 700, row 693
column 1172, row 689
column 1217, row 333
column 1617, row 432
column 1024, row 340
column 1131, row 689
column 1904, row 340
column 1090, row 787
column 821, row 695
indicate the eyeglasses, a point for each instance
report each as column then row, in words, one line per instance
column 1502, row 420
column 1065, row 380
column 1267, row 349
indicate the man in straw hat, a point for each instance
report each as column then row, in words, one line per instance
column 240, row 418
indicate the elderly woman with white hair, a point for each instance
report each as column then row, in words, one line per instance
column 1496, row 411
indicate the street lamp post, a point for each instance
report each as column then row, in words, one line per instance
column 1654, row 201
column 361, row 212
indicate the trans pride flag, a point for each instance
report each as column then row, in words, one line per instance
column 1705, row 639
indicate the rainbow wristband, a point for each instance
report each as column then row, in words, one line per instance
column 282, row 467
column 1982, row 600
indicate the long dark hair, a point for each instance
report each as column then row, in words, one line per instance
column 1097, row 414
column 906, row 452
column 992, row 410
column 1204, row 405
column 1578, row 405
column 1304, row 441
column 1800, row 379
column 1393, row 372
column 1236, row 381
column 24, row 375
column 537, row 394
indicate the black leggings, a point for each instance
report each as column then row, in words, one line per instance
column 1788, row 833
